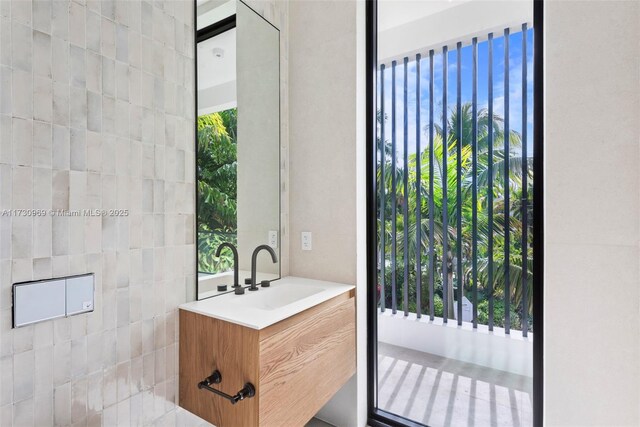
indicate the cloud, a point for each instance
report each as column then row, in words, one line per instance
column 515, row 87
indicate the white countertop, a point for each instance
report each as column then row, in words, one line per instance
column 259, row 309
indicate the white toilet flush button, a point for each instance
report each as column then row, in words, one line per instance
column 80, row 294
column 38, row 301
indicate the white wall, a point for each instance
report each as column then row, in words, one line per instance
column 322, row 134
column 326, row 123
column 592, row 283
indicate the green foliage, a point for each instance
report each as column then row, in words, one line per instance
column 498, row 314
column 208, row 243
column 438, row 306
column 216, row 163
column 495, row 182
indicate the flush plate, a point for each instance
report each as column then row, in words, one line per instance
column 38, row 301
column 50, row 299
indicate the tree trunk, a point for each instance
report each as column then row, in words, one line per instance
column 450, row 297
column 450, row 289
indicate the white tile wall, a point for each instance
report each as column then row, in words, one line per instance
column 96, row 111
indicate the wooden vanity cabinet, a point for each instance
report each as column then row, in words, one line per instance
column 296, row 365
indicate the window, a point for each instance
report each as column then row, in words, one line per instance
column 452, row 213
column 216, row 150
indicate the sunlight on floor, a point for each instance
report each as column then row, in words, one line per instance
column 443, row 392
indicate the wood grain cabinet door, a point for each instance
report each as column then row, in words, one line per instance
column 305, row 363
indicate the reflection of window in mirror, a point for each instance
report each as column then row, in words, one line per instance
column 238, row 143
column 216, row 159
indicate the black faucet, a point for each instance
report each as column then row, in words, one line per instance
column 254, row 257
column 235, row 261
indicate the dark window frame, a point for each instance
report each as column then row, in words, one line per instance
column 215, row 29
column 377, row 417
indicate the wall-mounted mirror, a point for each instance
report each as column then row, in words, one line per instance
column 238, row 143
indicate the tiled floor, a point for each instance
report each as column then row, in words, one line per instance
column 443, row 392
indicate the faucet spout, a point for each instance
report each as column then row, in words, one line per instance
column 235, row 261
column 254, row 259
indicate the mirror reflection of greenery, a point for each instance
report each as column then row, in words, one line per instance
column 216, row 163
column 497, row 185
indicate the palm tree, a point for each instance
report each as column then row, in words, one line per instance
column 483, row 180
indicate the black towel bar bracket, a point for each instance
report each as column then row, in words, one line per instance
column 216, row 378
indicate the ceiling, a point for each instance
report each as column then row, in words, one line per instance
column 212, row 11
column 214, row 71
column 393, row 13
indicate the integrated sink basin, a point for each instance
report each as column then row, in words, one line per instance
column 278, row 296
column 259, row 309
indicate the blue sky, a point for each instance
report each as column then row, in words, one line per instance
column 515, row 87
